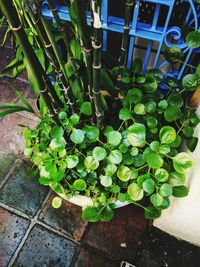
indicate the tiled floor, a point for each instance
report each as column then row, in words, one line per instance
column 32, row 233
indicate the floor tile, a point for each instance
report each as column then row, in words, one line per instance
column 6, row 162
column 159, row 249
column 12, row 230
column 46, row 249
column 66, row 219
column 23, row 192
column 88, row 258
column 121, row 236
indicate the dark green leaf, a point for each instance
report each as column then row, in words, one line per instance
column 180, row 191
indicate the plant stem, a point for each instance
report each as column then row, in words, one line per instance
column 33, row 62
column 125, row 40
column 79, row 8
column 62, row 28
column 97, row 45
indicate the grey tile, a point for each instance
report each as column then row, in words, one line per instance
column 6, row 162
column 12, row 230
column 22, row 191
column 67, row 219
column 45, row 248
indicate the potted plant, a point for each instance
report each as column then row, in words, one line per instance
column 103, row 150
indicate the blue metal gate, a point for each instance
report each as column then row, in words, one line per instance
column 154, row 23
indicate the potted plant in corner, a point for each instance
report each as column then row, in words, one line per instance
column 102, row 149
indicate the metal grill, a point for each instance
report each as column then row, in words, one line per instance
column 155, row 25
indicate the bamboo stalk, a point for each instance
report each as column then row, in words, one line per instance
column 36, row 68
column 125, row 40
column 46, row 44
column 62, row 72
column 97, row 45
column 62, row 28
column 86, row 47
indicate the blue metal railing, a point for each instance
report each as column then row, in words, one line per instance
column 156, row 35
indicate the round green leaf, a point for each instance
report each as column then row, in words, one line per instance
column 57, row 144
column 172, row 113
column 74, row 119
column 154, row 160
column 77, row 136
column 165, row 190
column 86, row 108
column 57, row 132
column 115, row 157
column 90, row 214
column 176, row 179
column 135, row 192
column 133, row 96
column 193, row 38
column 176, row 142
column 143, row 177
column 182, row 162
column 125, row 114
column 167, row 135
column 190, row 82
column 106, row 181
column 110, row 169
column 44, row 180
column 175, row 100
column 91, row 163
column 173, row 54
column 122, row 197
column 148, row 186
column 137, row 135
column 56, row 202
column 114, row 138
column 62, row 115
column 180, row 191
column 164, row 149
column 151, row 107
column 163, row 104
column 161, row 175
column 72, row 161
column 151, row 213
column 91, row 133
column 107, row 214
column 79, row 185
column 150, row 85
column 188, row 131
column 155, row 145
column 99, row 153
column 152, row 122
column 156, row 199
column 139, row 109
column 124, row 173
column 134, row 151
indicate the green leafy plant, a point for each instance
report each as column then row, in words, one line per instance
column 80, row 146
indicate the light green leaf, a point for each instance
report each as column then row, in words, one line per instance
column 165, row 190
column 72, row 161
column 99, row 153
column 91, row 133
column 124, row 173
column 148, row 186
column 57, row 202
column 161, row 175
column 114, row 138
column 167, row 135
column 137, row 135
column 135, row 192
column 176, row 179
column 77, row 136
column 90, row 214
column 106, row 181
column 125, row 114
column 182, row 162
column 57, row 132
column 110, row 169
column 154, row 160
column 172, row 113
column 79, row 185
column 86, row 108
column 91, row 163
column 156, row 199
column 115, row 157
column 74, row 119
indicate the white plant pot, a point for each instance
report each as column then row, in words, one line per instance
column 84, row 201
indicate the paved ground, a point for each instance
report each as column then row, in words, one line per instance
column 32, row 233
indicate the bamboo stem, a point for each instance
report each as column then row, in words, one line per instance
column 97, row 45
column 62, row 29
column 125, row 40
column 63, row 75
column 36, row 68
column 86, row 47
